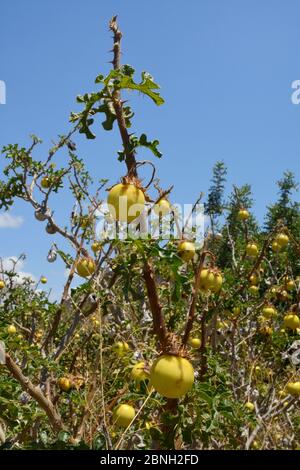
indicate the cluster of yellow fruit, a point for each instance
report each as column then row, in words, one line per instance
column 121, row 348
column 126, row 202
column 280, row 242
column 171, row 376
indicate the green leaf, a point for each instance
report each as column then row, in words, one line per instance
column 146, row 86
column 150, row 145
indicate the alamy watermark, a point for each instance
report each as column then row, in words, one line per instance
column 2, row 92
column 295, row 97
column 2, row 352
column 182, row 221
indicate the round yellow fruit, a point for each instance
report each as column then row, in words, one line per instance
column 120, row 347
column 293, row 388
column 236, row 310
column 291, row 321
column 138, row 372
column 243, row 214
column 290, row 285
column 282, row 240
column 11, row 329
column 250, row 406
column 96, row 247
column 123, row 415
column 186, row 250
column 172, row 376
column 45, row 182
column 252, row 250
column 268, row 312
column 254, row 280
column 125, row 202
column 2, row 285
column 210, row 279
column 275, row 246
column 64, row 384
column 195, row 343
column 162, row 208
column 85, row 267
column 43, row 280
column 254, row 290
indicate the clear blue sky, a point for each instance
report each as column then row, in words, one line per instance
column 225, row 70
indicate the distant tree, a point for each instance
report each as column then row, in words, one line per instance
column 214, row 205
column 285, row 208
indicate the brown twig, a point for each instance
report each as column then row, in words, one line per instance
column 117, row 103
column 157, row 315
column 35, row 392
column 191, row 315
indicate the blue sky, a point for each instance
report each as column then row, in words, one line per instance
column 225, row 70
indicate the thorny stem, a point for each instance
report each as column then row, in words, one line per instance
column 117, row 103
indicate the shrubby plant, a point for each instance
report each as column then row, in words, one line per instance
column 163, row 344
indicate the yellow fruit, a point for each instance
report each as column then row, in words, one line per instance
column 254, row 290
column 252, row 250
column 243, row 214
column 293, row 388
column 125, row 202
column 282, row 240
column 11, row 329
column 186, row 250
column 221, row 325
column 195, row 342
column 43, row 280
column 236, row 310
column 2, row 284
column 250, row 406
column 275, row 246
column 282, row 394
column 254, row 279
column 162, row 208
column 64, row 384
column 290, row 285
column 255, row 445
column 257, row 369
column 45, row 182
column 120, row 347
column 138, row 372
column 172, row 376
column 96, row 246
column 85, row 267
column 291, row 321
column 266, row 330
column 268, row 312
column 284, row 295
column 210, row 279
column 123, row 415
